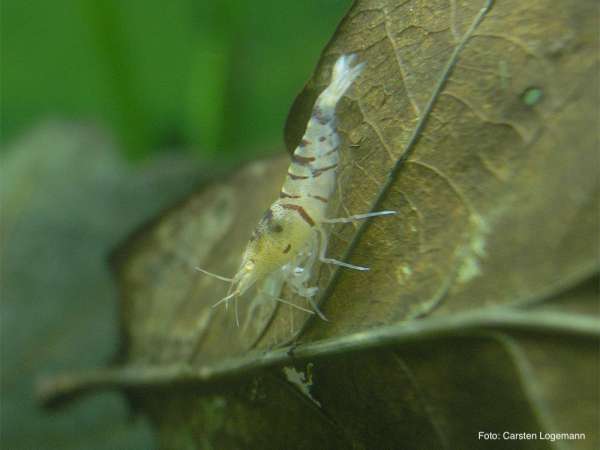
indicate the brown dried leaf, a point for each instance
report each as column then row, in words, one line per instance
column 498, row 193
column 473, row 121
column 478, row 181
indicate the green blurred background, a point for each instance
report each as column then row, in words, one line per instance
column 185, row 86
column 213, row 77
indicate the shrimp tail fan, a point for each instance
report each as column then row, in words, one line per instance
column 344, row 74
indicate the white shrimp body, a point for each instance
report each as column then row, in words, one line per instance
column 291, row 236
column 312, row 173
column 288, row 227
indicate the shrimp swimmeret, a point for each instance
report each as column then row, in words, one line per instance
column 291, row 236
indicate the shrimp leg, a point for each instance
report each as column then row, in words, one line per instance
column 359, row 217
column 324, row 259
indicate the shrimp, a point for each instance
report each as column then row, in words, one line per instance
column 291, row 236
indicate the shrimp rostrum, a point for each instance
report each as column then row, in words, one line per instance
column 292, row 234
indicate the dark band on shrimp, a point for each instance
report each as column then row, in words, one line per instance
column 318, row 172
column 320, row 117
column 284, row 194
column 296, row 177
column 300, row 211
column 318, row 197
column 302, row 160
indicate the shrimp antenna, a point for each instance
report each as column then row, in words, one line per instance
column 214, row 275
column 285, row 302
column 293, row 305
column 237, row 314
column 224, row 299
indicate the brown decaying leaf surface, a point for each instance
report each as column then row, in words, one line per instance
column 496, row 197
column 497, row 200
